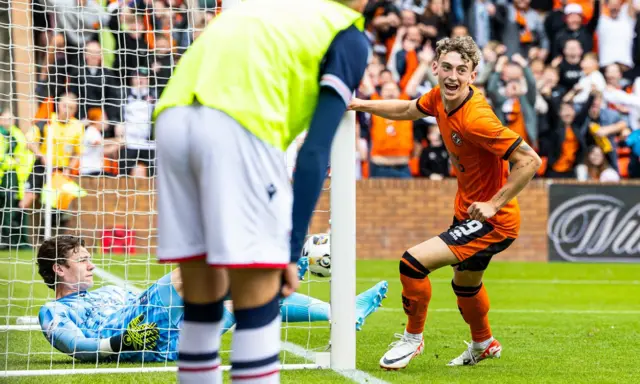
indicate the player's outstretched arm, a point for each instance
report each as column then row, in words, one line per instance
column 525, row 162
column 389, row 109
column 66, row 337
column 312, row 164
column 341, row 72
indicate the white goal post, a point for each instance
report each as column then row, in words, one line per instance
column 24, row 350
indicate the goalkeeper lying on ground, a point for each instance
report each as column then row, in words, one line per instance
column 111, row 321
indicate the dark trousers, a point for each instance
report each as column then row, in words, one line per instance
column 8, row 205
column 389, row 171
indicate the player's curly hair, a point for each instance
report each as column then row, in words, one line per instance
column 53, row 251
column 464, row 45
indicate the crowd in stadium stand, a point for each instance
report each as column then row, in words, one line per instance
column 561, row 73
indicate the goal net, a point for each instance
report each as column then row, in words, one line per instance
column 77, row 84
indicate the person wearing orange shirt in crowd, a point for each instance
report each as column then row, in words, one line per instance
column 392, row 143
column 569, row 133
column 487, row 215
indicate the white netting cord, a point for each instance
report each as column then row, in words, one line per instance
column 81, row 92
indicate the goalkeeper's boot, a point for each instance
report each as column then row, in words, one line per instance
column 303, row 265
column 472, row 356
column 368, row 302
column 402, row 352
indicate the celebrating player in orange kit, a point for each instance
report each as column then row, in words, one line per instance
column 487, row 215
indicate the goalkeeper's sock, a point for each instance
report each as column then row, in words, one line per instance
column 473, row 303
column 299, row 308
column 256, row 344
column 416, row 293
column 199, row 342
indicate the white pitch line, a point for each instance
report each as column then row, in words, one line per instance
column 352, row 374
column 104, row 275
column 355, row 375
column 542, row 311
column 527, row 281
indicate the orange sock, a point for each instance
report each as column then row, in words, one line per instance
column 473, row 303
column 416, row 292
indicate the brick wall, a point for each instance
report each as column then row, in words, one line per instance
column 126, row 202
column 392, row 215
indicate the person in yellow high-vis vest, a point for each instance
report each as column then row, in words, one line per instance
column 8, row 186
column 24, row 161
column 260, row 74
column 16, row 163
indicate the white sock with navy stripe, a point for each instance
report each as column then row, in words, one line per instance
column 256, row 345
column 199, row 342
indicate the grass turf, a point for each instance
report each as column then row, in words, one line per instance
column 558, row 323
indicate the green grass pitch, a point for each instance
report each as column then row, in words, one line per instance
column 558, row 323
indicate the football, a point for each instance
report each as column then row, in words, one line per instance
column 317, row 249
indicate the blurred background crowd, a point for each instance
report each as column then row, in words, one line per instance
column 561, row 73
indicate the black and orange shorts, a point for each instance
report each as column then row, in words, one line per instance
column 474, row 243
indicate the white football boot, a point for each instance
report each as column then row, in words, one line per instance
column 473, row 356
column 402, row 352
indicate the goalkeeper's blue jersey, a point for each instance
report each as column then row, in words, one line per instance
column 78, row 324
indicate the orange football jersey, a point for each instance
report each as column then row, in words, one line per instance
column 479, row 147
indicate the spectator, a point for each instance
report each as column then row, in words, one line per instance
column 620, row 95
column 483, row 21
column 516, row 107
column 408, row 18
column 591, row 78
column 574, row 29
column 135, row 131
column 569, row 63
column 615, row 34
column 8, row 179
column 17, row 161
column 79, row 21
column 604, row 126
column 434, row 159
column 435, row 23
column 597, row 167
column 392, row 144
column 569, row 137
column 96, row 86
column 162, row 63
column 382, row 22
column 633, row 142
column 95, row 147
column 524, row 29
column 66, row 136
column 416, row 6
column 55, row 76
column 552, row 94
column 404, row 54
column 131, row 46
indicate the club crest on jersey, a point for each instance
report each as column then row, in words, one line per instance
column 457, row 140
